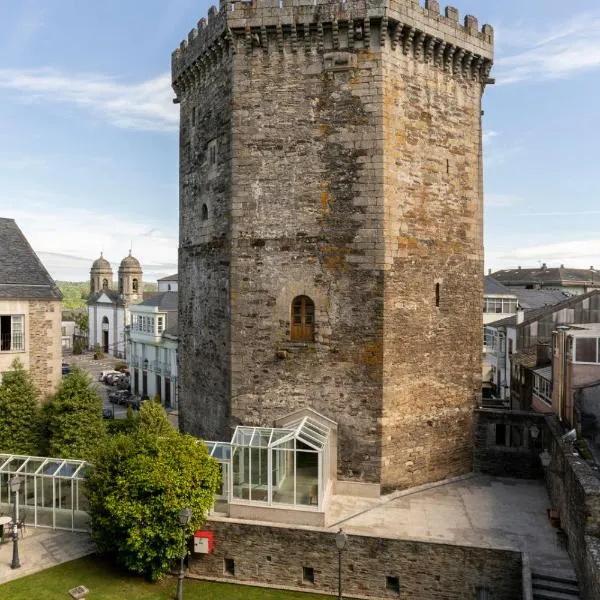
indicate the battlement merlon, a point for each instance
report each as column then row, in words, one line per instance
column 405, row 17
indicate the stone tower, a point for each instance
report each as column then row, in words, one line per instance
column 130, row 279
column 331, row 243
column 101, row 275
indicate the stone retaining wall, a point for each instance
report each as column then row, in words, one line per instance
column 374, row 568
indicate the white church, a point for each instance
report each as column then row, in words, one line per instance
column 108, row 309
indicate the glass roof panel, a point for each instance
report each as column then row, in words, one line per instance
column 51, row 467
column 33, row 464
column 67, row 470
column 13, row 463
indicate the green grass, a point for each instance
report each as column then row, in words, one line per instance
column 107, row 582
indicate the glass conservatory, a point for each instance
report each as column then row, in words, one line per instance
column 275, row 466
column 51, row 493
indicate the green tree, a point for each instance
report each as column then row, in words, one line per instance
column 74, row 423
column 137, row 486
column 19, row 413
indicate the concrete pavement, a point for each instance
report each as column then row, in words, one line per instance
column 41, row 549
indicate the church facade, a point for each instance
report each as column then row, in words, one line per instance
column 108, row 308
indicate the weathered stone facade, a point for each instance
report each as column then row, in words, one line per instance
column 45, row 350
column 274, row 556
column 334, row 151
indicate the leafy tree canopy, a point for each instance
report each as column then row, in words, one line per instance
column 19, row 416
column 138, row 485
column 74, row 423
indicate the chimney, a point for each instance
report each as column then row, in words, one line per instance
column 520, row 316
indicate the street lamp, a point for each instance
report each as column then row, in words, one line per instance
column 184, row 518
column 15, row 486
column 341, row 541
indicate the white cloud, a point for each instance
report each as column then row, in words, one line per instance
column 145, row 106
column 69, row 240
column 576, row 254
column 501, row 200
column 563, row 49
column 488, row 136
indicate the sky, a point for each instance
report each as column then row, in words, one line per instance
column 89, row 143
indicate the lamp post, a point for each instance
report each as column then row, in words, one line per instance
column 15, row 486
column 341, row 541
column 184, row 518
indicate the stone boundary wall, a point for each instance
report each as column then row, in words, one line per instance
column 517, row 458
column 279, row 557
column 573, row 487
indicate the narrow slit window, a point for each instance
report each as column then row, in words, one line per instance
column 204, row 212
column 437, row 295
column 392, row 584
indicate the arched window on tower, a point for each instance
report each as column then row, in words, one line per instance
column 204, row 212
column 134, row 285
column 303, row 319
column 105, row 284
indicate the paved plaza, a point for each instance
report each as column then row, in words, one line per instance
column 41, row 549
column 475, row 510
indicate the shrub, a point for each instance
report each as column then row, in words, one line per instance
column 19, row 415
column 74, row 422
column 137, row 486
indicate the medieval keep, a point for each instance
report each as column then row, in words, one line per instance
column 330, row 228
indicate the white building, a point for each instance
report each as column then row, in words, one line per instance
column 153, row 348
column 168, row 284
column 108, row 309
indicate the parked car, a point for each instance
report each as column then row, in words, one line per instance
column 104, row 374
column 119, row 397
column 66, row 368
column 113, row 378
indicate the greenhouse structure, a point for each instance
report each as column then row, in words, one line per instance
column 50, row 492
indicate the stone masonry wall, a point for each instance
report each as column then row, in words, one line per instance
column 305, row 189
column 432, row 228
column 352, row 143
column 205, row 253
column 274, row 556
column 573, row 487
column 45, row 350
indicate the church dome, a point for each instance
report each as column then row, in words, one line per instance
column 130, row 263
column 101, row 264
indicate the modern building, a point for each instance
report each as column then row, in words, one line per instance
column 331, row 231
column 30, row 311
column 501, row 302
column 575, row 377
column 519, row 348
column 108, row 309
column 152, row 354
column 573, row 281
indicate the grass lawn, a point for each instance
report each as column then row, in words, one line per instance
column 107, row 582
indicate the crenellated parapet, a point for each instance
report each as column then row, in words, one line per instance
column 295, row 26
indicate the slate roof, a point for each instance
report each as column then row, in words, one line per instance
column 548, row 276
column 540, row 298
column 174, row 277
column 163, row 300
column 535, row 313
column 114, row 296
column 22, row 274
column 492, row 287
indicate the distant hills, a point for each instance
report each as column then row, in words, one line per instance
column 76, row 292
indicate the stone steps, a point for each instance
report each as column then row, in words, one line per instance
column 550, row 587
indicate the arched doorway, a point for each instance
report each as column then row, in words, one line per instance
column 105, row 334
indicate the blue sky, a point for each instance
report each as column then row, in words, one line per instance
column 88, row 144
